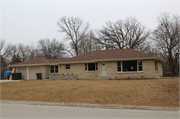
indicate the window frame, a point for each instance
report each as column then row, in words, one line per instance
column 54, row 69
column 87, row 67
column 96, row 66
column 139, row 65
column 67, row 66
column 130, row 71
column 119, row 66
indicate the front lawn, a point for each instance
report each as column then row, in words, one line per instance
column 154, row 92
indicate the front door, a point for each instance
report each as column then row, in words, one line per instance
column 103, row 69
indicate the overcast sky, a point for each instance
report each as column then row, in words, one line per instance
column 27, row 21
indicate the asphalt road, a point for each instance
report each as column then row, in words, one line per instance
column 26, row 111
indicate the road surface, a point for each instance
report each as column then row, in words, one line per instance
column 27, row 111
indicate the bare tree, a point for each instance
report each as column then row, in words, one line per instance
column 11, row 54
column 167, row 38
column 16, row 59
column 89, row 44
column 23, row 51
column 33, row 52
column 51, row 49
column 75, row 31
column 6, row 53
column 2, row 44
column 123, row 34
column 2, row 60
column 20, row 52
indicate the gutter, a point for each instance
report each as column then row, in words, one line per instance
column 119, row 59
column 27, row 65
column 124, row 59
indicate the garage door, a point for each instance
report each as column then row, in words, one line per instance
column 32, row 72
column 23, row 72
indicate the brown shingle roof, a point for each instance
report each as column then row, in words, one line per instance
column 58, row 60
column 33, row 61
column 111, row 54
column 95, row 55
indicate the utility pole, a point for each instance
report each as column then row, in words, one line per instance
column 0, row 65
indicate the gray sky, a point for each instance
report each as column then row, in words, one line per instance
column 27, row 21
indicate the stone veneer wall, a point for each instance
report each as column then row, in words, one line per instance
column 79, row 70
column 159, row 73
column 45, row 71
column 63, row 77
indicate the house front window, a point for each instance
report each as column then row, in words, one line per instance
column 68, row 66
column 54, row 69
column 129, row 66
column 91, row 66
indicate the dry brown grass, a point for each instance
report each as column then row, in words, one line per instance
column 156, row 92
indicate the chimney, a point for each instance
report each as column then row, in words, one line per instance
column 109, row 47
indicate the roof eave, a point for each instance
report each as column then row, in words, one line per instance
column 160, row 59
column 124, row 59
column 92, row 61
column 118, row 59
column 77, row 62
column 23, row 65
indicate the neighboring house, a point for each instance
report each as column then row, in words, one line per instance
column 104, row 64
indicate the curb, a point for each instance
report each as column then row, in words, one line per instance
column 167, row 78
column 112, row 106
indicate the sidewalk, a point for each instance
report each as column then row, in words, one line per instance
column 107, row 106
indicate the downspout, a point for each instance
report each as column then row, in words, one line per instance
column 59, row 69
column 27, row 73
column 48, row 68
column 154, row 67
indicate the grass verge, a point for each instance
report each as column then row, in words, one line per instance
column 156, row 92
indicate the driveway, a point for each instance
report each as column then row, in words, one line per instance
column 9, row 80
column 27, row 111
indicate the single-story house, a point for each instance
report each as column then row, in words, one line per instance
column 107, row 64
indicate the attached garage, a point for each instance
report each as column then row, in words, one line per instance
column 32, row 72
column 24, row 72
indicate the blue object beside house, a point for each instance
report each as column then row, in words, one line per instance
column 7, row 74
